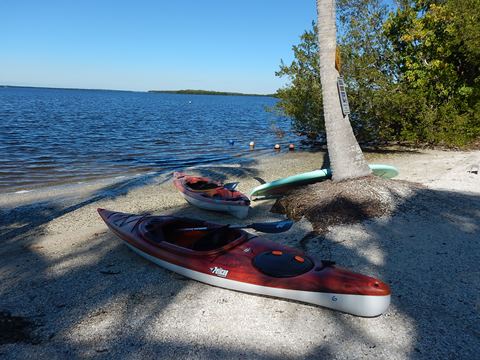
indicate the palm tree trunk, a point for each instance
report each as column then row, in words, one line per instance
column 346, row 157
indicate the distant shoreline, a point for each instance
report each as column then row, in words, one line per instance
column 186, row 91
column 207, row 92
column 61, row 88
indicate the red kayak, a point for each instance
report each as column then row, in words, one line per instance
column 211, row 195
column 236, row 260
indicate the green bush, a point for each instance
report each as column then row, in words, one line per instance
column 412, row 74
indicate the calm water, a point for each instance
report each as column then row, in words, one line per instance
column 50, row 136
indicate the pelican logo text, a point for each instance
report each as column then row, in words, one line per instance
column 219, row 271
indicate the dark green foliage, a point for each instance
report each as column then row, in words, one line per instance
column 366, row 66
column 412, row 75
column 438, row 62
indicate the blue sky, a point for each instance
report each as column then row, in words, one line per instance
column 142, row 45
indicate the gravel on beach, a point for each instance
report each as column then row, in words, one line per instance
column 70, row 289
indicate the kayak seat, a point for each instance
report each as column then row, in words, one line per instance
column 227, row 195
column 239, row 199
column 281, row 264
column 154, row 230
column 199, row 240
column 201, row 185
column 215, row 239
column 168, row 230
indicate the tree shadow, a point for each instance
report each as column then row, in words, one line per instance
column 103, row 300
column 99, row 299
column 17, row 220
column 62, row 294
column 389, row 150
column 325, row 161
column 428, row 252
column 369, row 149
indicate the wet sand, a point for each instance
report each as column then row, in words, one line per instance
column 76, row 291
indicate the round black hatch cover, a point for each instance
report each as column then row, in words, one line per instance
column 281, row 264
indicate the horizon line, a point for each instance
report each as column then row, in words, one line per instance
column 124, row 90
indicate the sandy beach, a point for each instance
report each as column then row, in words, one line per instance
column 77, row 292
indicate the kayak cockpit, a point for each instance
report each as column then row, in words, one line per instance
column 201, row 185
column 214, row 191
column 175, row 231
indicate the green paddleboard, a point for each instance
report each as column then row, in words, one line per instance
column 278, row 187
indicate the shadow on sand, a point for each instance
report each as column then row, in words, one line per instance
column 103, row 300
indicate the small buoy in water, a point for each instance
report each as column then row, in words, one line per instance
column 291, row 147
column 231, row 142
column 277, row 147
column 252, row 145
column 189, row 101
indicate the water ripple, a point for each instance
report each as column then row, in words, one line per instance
column 50, row 136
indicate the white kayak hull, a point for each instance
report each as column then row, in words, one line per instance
column 239, row 211
column 359, row 305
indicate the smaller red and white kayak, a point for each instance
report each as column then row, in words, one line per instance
column 208, row 194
